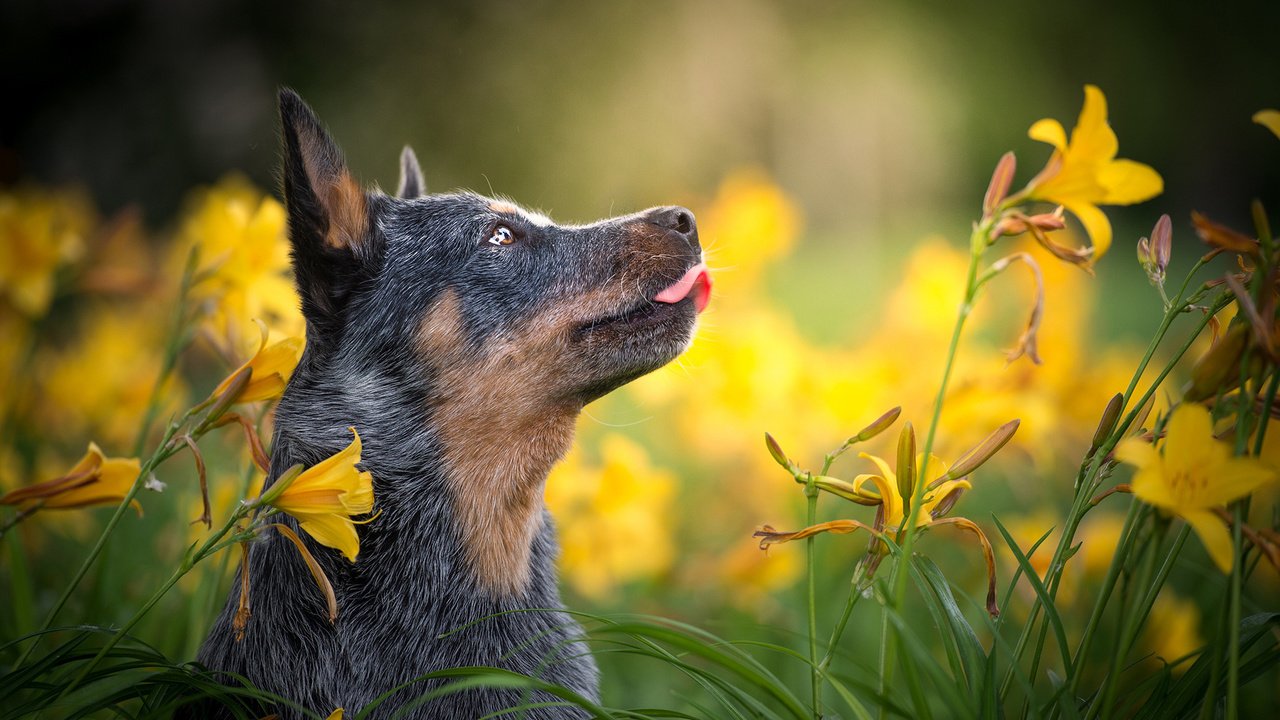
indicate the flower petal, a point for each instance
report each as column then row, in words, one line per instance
column 1213, row 533
column 1189, row 446
column 1270, row 119
column 1138, row 453
column 333, row 531
column 1236, row 478
column 1152, row 487
column 1049, row 131
column 1095, row 223
column 1092, row 139
column 1127, row 182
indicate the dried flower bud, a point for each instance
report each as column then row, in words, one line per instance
column 1110, row 416
column 1219, row 364
column 983, row 451
column 906, row 465
column 1001, row 179
column 780, row 457
column 1221, row 237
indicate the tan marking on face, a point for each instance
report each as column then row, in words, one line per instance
column 506, row 207
column 503, row 422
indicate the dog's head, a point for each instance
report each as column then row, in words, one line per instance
column 481, row 290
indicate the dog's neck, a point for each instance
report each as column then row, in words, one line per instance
column 458, row 481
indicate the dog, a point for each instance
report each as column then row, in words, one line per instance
column 461, row 335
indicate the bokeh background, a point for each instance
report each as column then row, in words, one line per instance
column 835, row 154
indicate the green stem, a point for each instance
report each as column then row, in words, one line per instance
column 815, row 674
column 211, row 545
column 1130, row 624
column 1090, row 482
column 856, row 588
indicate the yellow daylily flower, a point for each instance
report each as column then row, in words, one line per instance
column 325, row 496
column 887, row 492
column 271, row 367
column 95, row 480
column 1195, row 474
column 1084, row 173
column 1269, row 119
column 335, row 715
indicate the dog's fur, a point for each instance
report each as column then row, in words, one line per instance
column 463, row 364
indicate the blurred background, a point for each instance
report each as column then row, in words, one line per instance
column 835, row 153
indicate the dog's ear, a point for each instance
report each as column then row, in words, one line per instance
column 334, row 244
column 411, row 183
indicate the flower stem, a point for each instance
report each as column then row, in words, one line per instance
column 815, row 673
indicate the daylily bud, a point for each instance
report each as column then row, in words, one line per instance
column 906, row 465
column 780, row 457
column 1220, row 363
column 281, row 484
column 1108, row 422
column 880, row 425
column 1001, row 179
column 984, row 451
column 1143, row 413
column 1162, row 243
column 1145, row 259
column 846, row 490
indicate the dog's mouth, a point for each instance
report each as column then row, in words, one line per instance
column 693, row 288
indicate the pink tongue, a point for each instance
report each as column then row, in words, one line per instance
column 696, row 281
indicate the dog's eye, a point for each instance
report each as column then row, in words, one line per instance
column 502, row 235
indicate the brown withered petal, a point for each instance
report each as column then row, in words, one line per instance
column 768, row 536
column 49, row 488
column 906, row 466
column 205, row 516
column 1110, row 416
column 1263, row 331
column 944, row 506
column 1219, row 364
column 322, row 580
column 993, row 608
column 251, row 435
column 241, row 620
column 1027, row 341
column 983, row 451
column 1162, row 242
column 1080, row 257
column 1222, row 237
column 1001, row 179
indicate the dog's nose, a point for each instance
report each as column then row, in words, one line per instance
column 676, row 219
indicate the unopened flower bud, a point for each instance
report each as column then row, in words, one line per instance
column 983, row 451
column 1108, row 422
column 1001, row 179
column 1220, row 363
column 906, row 465
column 780, row 457
column 882, row 423
column 1162, row 243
